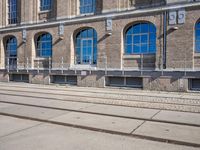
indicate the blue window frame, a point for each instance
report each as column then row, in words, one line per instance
column 87, row 6
column 45, row 5
column 11, row 52
column 44, row 45
column 140, row 39
column 197, row 37
column 86, row 46
column 11, row 47
column 12, row 11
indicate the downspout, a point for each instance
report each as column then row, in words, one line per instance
column 165, row 40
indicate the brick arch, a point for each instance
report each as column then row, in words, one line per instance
column 135, row 23
column 5, row 39
column 80, row 29
column 40, row 33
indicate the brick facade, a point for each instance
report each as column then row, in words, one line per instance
column 180, row 53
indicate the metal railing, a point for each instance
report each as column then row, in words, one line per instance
column 141, row 63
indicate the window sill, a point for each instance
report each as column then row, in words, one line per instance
column 86, row 14
column 197, row 55
column 42, row 58
column 44, row 11
column 126, row 56
column 12, row 25
column 82, row 66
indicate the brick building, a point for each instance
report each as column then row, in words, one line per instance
column 149, row 44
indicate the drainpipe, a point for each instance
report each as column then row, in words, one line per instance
column 164, row 39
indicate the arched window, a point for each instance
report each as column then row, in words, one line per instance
column 11, row 52
column 87, row 6
column 140, row 39
column 44, row 45
column 86, row 46
column 45, row 5
column 11, row 47
column 12, row 11
column 197, row 37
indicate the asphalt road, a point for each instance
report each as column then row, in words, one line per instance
column 36, row 117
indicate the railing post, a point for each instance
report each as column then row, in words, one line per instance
column 75, row 62
column 162, row 71
column 27, row 64
column 123, row 67
column 90, row 62
column 141, row 66
column 17, row 65
column 49, row 64
column 38, row 65
column 105, row 57
column 62, row 61
column 8, row 65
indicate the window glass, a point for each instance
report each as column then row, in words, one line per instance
column 87, row 6
column 11, row 47
column 44, row 45
column 140, row 39
column 197, row 37
column 12, row 11
column 45, row 5
column 86, row 47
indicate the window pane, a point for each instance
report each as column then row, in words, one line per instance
column 198, row 33
column 152, row 28
column 152, row 48
column 128, row 49
column 136, row 49
column 136, row 39
column 129, row 31
column 144, row 28
column 136, row 29
column 144, row 38
column 198, row 46
column 144, row 48
column 198, row 26
column 129, row 39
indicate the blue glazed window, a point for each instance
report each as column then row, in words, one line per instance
column 11, row 52
column 197, row 37
column 140, row 39
column 45, row 5
column 87, row 6
column 86, row 46
column 11, row 47
column 12, row 11
column 44, row 45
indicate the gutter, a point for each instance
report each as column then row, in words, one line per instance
column 164, row 39
column 100, row 17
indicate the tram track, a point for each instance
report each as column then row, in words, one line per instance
column 196, row 102
column 133, row 103
column 110, row 92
